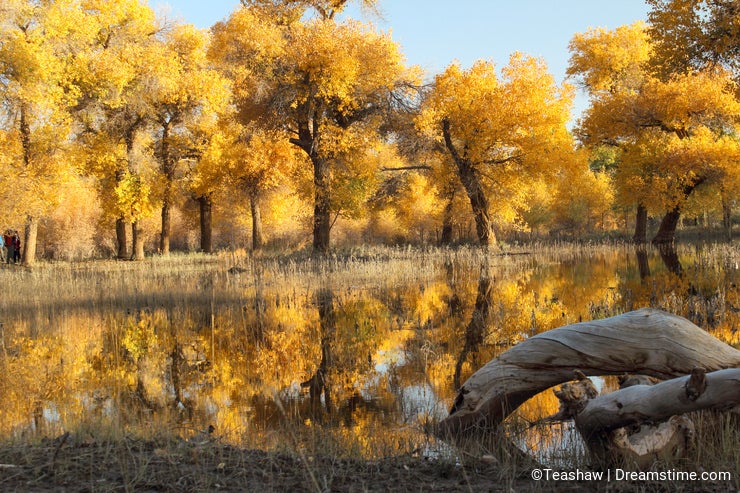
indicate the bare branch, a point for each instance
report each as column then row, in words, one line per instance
column 407, row 168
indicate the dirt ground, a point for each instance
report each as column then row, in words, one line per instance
column 67, row 467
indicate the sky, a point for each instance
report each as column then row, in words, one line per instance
column 434, row 33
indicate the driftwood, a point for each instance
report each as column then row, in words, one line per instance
column 573, row 398
column 603, row 420
column 654, row 403
column 641, row 423
column 641, row 448
column 647, row 342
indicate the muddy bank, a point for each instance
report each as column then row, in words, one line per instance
column 67, row 465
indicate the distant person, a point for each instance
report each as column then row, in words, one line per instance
column 16, row 247
column 10, row 244
column 3, row 250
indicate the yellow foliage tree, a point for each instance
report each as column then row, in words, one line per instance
column 116, row 71
column 586, row 207
column 693, row 34
column 322, row 81
column 188, row 93
column 651, row 118
column 37, row 90
column 256, row 162
column 499, row 132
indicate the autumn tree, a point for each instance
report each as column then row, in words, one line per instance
column 654, row 122
column 692, row 35
column 202, row 183
column 610, row 65
column 498, row 132
column 324, row 82
column 117, row 74
column 187, row 94
column 419, row 210
column 585, row 207
column 199, row 153
column 37, row 46
column 437, row 191
column 251, row 160
column 403, row 202
column 326, row 9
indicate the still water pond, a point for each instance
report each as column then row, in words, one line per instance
column 351, row 355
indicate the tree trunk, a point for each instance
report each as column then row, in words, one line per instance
column 25, row 131
column 322, row 205
column 666, row 234
column 483, row 229
column 28, row 248
column 168, row 170
column 138, row 241
column 445, row 238
column 447, row 221
column 727, row 216
column 257, row 238
column 205, row 203
column 309, row 130
column 164, row 237
column 470, row 180
column 645, row 341
column 137, row 247
column 122, row 239
column 640, row 236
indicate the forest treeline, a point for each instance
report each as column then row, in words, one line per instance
column 125, row 133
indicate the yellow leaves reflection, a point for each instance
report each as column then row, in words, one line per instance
column 354, row 362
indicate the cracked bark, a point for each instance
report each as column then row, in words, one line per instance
column 646, row 341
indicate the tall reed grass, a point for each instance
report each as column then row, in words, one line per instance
column 165, row 347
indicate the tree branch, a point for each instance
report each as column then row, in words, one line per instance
column 406, row 168
column 611, row 346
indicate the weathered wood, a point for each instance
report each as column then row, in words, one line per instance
column 635, row 446
column 655, row 403
column 657, row 410
column 647, row 341
column 641, row 448
column 573, row 397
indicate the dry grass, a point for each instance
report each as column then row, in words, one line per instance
column 70, row 327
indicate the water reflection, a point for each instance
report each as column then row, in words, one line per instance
column 643, row 262
column 365, row 352
column 475, row 330
column 669, row 256
column 317, row 385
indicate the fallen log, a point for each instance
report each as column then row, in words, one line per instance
column 573, row 397
column 646, row 405
column 647, row 341
column 641, row 448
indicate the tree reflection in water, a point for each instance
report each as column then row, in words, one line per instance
column 317, row 385
column 669, row 256
column 269, row 356
column 475, row 331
